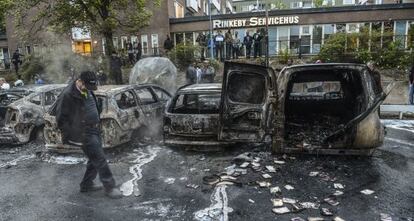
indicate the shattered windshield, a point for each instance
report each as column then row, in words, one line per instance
column 197, row 104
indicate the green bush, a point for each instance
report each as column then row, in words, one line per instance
column 333, row 50
column 183, row 55
column 284, row 56
column 31, row 67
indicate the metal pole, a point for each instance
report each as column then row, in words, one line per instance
column 267, row 34
column 211, row 31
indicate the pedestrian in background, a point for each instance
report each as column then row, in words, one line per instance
column 236, row 46
column 138, row 50
column 411, row 88
column 16, row 60
column 191, row 74
column 248, row 41
column 202, row 42
column 168, row 44
column 219, row 44
column 257, row 37
column 77, row 116
column 116, row 71
column 130, row 50
column 229, row 44
column 199, row 74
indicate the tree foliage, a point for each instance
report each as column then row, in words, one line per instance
column 4, row 6
column 101, row 17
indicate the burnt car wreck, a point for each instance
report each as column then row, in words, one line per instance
column 192, row 116
column 24, row 117
column 318, row 108
column 127, row 111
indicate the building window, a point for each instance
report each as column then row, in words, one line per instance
column 179, row 10
column 316, row 38
column 115, row 41
column 189, row 38
column 348, row 2
column 28, row 49
column 388, row 33
column 294, row 40
column 124, row 41
column 340, row 28
column 134, row 40
column 103, row 45
column 400, row 32
column 305, row 40
column 328, row 30
column 272, row 40
column 283, row 33
column 296, row 5
column 144, row 43
column 154, row 44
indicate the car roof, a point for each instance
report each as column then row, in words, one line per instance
column 327, row 65
column 197, row 88
column 114, row 89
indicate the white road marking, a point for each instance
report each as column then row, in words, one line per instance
column 142, row 158
column 14, row 162
column 218, row 209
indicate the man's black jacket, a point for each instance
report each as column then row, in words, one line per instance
column 70, row 113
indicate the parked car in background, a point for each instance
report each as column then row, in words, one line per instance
column 127, row 110
column 24, row 117
column 9, row 96
column 192, row 116
column 317, row 108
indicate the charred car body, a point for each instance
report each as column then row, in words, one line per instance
column 9, row 96
column 24, row 117
column 318, row 108
column 125, row 110
column 192, row 116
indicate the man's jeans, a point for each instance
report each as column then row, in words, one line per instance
column 411, row 94
column 97, row 163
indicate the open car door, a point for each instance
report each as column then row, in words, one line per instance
column 247, row 102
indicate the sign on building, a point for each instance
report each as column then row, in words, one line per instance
column 255, row 21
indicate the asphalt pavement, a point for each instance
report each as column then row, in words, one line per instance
column 163, row 183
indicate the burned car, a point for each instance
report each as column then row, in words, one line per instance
column 126, row 110
column 24, row 117
column 318, row 108
column 9, row 96
column 192, row 116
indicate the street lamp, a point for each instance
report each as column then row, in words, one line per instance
column 211, row 31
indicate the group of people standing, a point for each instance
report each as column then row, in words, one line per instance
column 230, row 45
column 200, row 73
column 134, row 51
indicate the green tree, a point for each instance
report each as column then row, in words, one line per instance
column 4, row 6
column 101, row 17
column 333, row 50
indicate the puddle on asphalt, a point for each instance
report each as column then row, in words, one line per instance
column 141, row 157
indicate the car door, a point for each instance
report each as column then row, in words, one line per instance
column 148, row 103
column 162, row 98
column 247, row 102
column 129, row 112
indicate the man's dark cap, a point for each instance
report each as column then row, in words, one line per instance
column 89, row 78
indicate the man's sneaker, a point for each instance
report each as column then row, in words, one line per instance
column 114, row 193
column 93, row 187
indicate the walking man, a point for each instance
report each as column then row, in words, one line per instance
column 16, row 62
column 77, row 116
column 229, row 44
column 247, row 41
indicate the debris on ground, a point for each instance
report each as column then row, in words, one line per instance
column 310, row 205
column 338, row 193
column 277, row 202
column 367, row 192
column 338, row 186
column 280, row 162
column 337, row 218
column 331, row 201
column 297, row 219
column 244, row 165
column 281, row 210
column 289, row 200
column 271, row 169
column 193, row 186
column 275, row 190
column 326, row 212
column 266, row 176
column 264, row 184
column 244, row 157
column 313, row 173
column 289, row 187
column 385, row 217
column 315, row 219
column 251, row 201
column 297, row 208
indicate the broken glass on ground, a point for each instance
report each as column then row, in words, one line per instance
column 310, row 205
column 297, row 219
column 266, row 176
column 331, row 201
column 385, row 217
column 275, row 190
column 281, row 210
column 289, row 200
column 326, row 212
column 289, row 187
column 338, row 186
column 263, row 184
column 271, row 169
column 315, row 219
column 277, row 202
